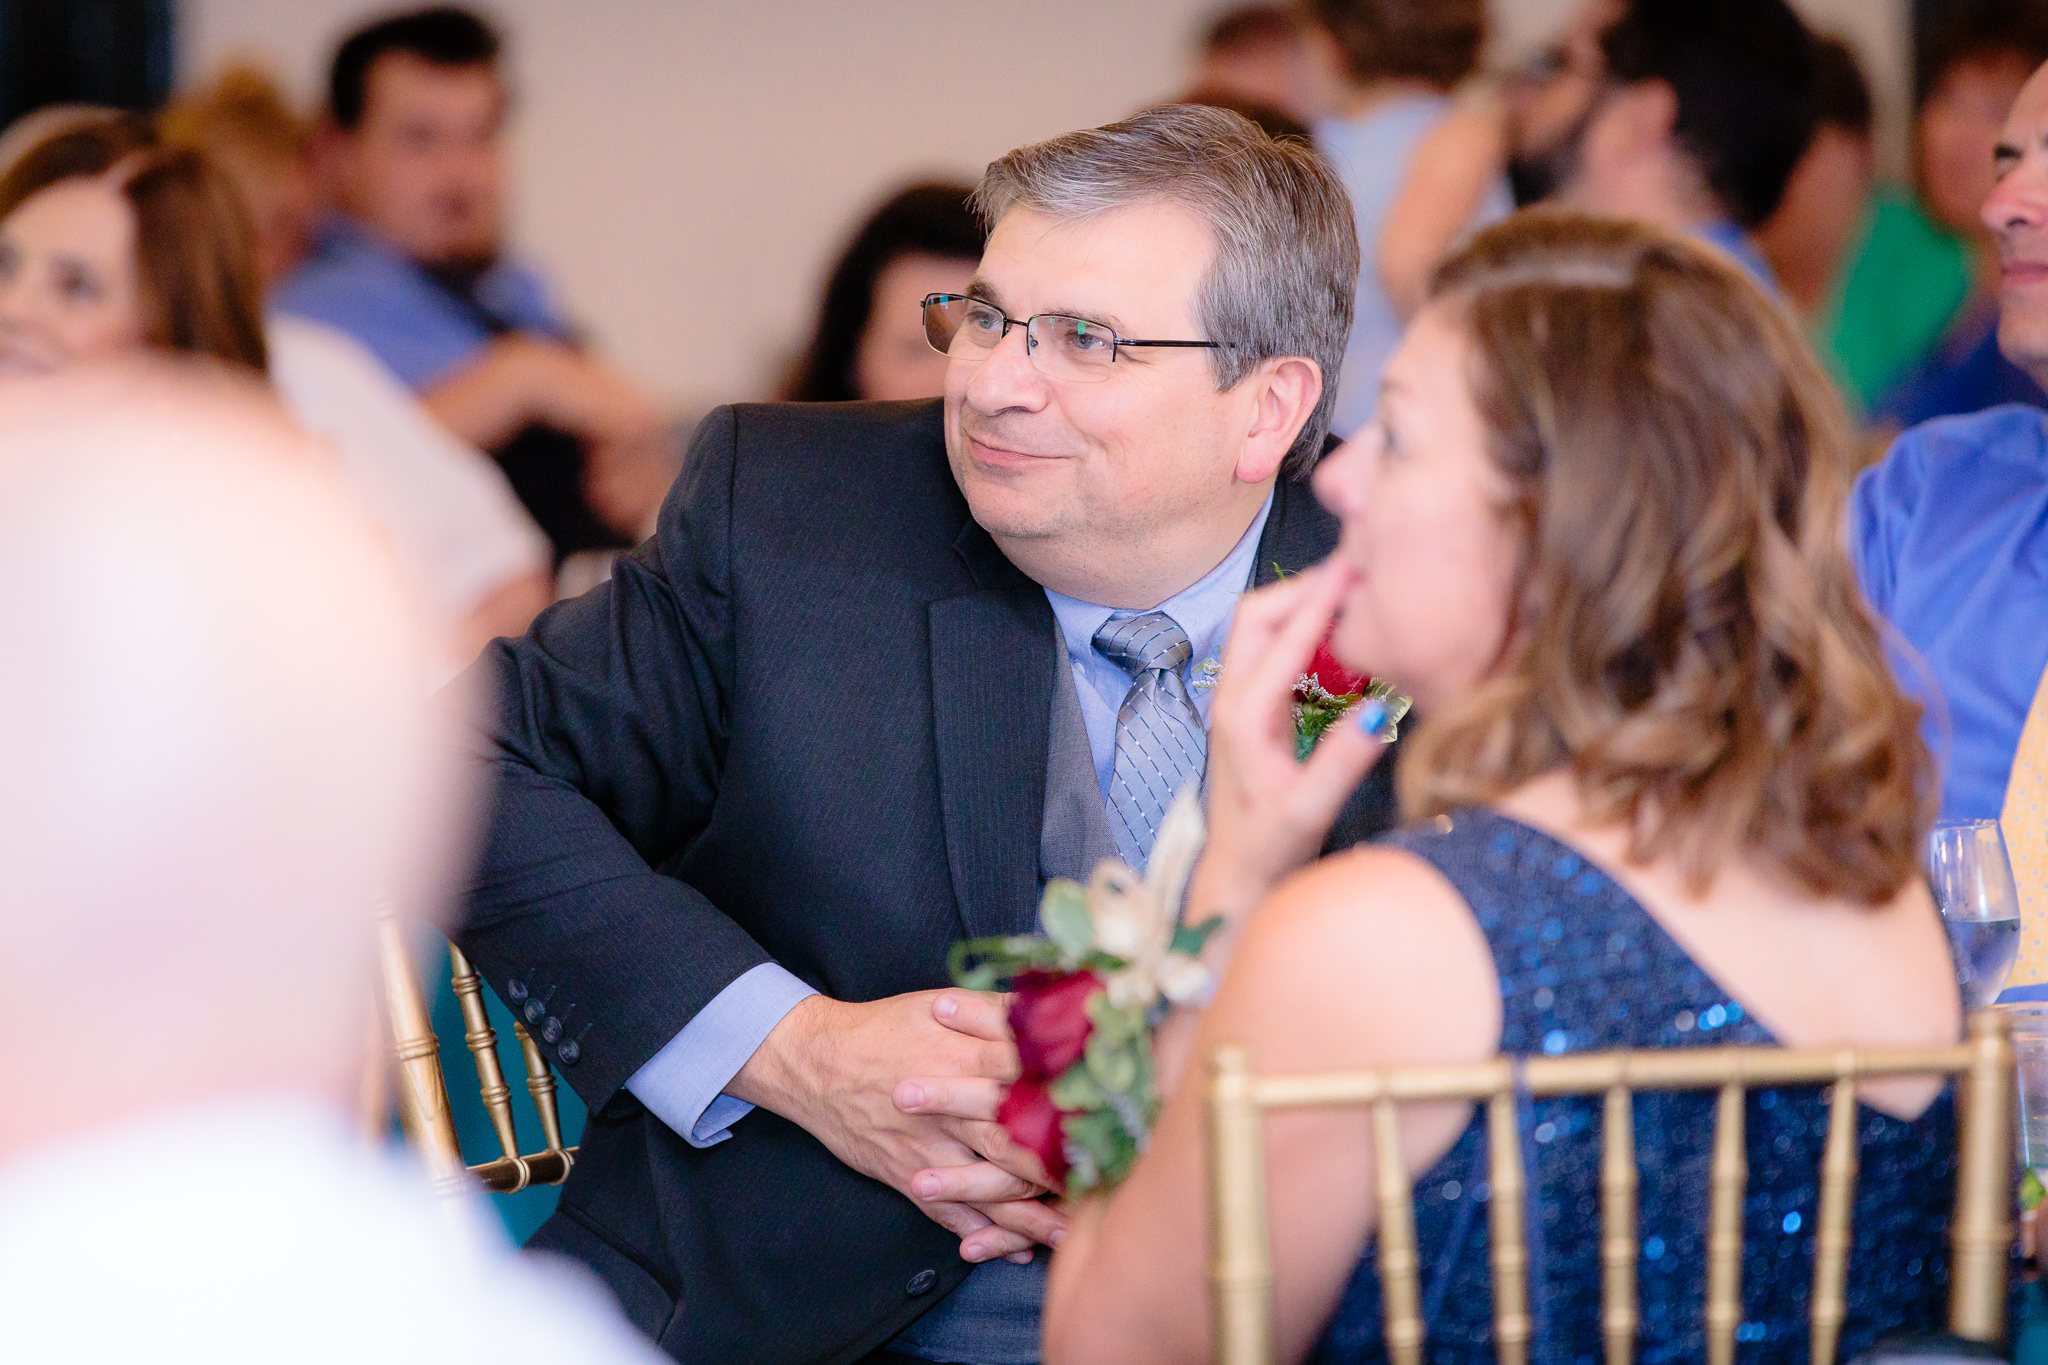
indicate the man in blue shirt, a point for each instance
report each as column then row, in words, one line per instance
column 1950, row 532
column 415, row 269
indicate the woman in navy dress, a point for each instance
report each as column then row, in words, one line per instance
column 1662, row 793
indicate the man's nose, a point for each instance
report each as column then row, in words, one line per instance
column 2020, row 199
column 1007, row 378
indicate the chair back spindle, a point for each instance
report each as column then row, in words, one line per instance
column 1726, row 1182
column 1618, row 1182
column 1505, row 1222
column 1831, row 1237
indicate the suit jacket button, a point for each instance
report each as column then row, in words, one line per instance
column 551, row 1031
column 534, row 1011
column 568, row 1053
column 515, row 990
column 922, row 1281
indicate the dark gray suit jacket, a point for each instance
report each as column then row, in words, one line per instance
column 819, row 702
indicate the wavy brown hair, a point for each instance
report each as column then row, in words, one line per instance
column 195, row 251
column 1686, row 636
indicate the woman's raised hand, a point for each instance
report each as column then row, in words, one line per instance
column 1269, row 812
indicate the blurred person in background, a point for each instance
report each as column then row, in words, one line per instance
column 1690, row 116
column 1257, row 60
column 1950, row 531
column 111, row 242
column 416, row 269
column 1950, row 539
column 1419, row 173
column 1808, row 240
column 1548, row 99
column 1916, row 335
column 244, row 123
column 215, row 714
column 869, row 341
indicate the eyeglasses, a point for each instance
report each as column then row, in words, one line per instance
column 1061, row 347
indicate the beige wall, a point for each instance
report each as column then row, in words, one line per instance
column 687, row 168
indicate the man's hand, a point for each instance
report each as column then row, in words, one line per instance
column 835, row 1070
column 967, row 1106
column 516, row 380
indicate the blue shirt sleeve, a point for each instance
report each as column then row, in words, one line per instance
column 1880, row 509
column 683, row 1084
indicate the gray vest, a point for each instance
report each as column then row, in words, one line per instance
column 992, row 1318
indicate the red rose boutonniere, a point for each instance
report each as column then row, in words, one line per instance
column 1328, row 691
column 1324, row 694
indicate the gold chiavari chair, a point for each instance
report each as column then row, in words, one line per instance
column 1241, row 1271
column 422, row 1091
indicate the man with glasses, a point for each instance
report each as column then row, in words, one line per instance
column 1689, row 114
column 883, row 670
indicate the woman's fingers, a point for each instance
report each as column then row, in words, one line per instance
column 1342, row 757
column 1269, row 648
column 1260, row 612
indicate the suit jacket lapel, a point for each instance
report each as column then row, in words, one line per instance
column 1298, row 534
column 992, row 694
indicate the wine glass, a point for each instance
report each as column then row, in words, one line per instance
column 1972, row 880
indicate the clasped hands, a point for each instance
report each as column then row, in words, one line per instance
column 905, row 1090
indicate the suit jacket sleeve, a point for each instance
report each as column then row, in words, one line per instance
column 604, row 756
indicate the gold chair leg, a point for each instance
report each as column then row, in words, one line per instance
column 1241, row 1271
column 422, row 1093
column 1984, row 1178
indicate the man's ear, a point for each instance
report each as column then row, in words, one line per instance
column 1284, row 392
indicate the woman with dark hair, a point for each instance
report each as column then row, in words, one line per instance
column 870, row 340
column 111, row 241
column 1663, row 794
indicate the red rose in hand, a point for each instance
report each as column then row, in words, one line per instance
column 1049, row 1020
column 1028, row 1114
column 1334, row 677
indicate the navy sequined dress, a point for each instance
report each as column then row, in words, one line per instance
column 1583, row 967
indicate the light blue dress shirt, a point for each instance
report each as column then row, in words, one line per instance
column 683, row 1084
column 363, row 285
column 1949, row 534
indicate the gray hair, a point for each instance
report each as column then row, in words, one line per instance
column 1285, row 272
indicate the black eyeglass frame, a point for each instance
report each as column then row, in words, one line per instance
column 1115, row 341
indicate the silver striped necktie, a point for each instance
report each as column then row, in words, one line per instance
column 1160, row 743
